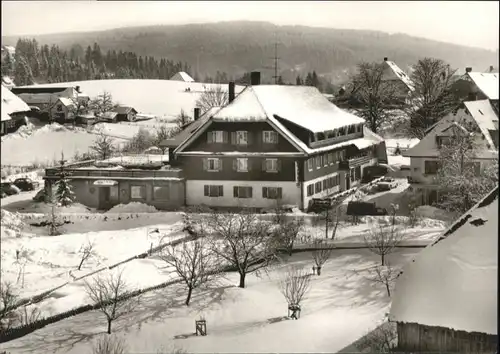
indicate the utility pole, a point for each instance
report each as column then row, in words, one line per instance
column 275, row 59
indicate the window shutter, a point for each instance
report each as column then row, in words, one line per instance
column 280, row 191
column 275, row 137
column 249, row 138
column 250, row 189
column 278, row 164
column 219, row 165
column 209, row 137
column 205, row 164
column 264, row 192
column 205, row 190
column 264, row 165
column 235, row 191
column 221, row 191
column 233, row 138
column 235, row 164
column 249, row 164
column 225, row 137
column 263, row 136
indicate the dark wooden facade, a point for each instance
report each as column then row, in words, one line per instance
column 417, row 338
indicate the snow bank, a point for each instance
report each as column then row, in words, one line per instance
column 44, row 208
column 133, row 207
column 427, row 211
column 11, row 224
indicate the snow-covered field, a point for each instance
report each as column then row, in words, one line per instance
column 128, row 130
column 161, row 98
column 341, row 306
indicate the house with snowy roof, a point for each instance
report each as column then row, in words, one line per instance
column 445, row 300
column 475, row 117
column 182, row 76
column 273, row 142
column 14, row 111
column 474, row 85
column 44, row 97
column 401, row 80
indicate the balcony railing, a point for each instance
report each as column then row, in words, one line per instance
column 354, row 162
column 174, row 173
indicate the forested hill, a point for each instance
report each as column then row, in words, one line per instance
column 239, row 47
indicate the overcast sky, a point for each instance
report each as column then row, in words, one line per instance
column 472, row 23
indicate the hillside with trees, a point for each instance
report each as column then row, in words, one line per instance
column 239, row 47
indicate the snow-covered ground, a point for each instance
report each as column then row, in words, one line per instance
column 341, row 306
column 127, row 130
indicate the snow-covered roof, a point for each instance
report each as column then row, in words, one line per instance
column 66, row 101
column 400, row 74
column 453, row 282
column 301, row 105
column 11, row 103
column 182, row 76
column 485, row 117
column 7, row 80
column 487, row 83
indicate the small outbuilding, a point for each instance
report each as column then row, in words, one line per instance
column 125, row 113
column 182, row 76
column 63, row 110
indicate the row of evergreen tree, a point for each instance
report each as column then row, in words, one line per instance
column 40, row 63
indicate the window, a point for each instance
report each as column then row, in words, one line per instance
column 269, row 137
column 213, row 191
column 212, row 164
column 318, row 162
column 330, row 158
column 272, row 192
column 351, row 129
column 137, row 192
column 161, row 192
column 310, row 164
column 242, row 192
column 271, row 165
column 310, row 190
column 241, row 165
column 217, row 136
column 431, row 167
column 325, row 160
column 360, row 128
column 442, row 140
column 325, row 184
column 242, row 138
column 317, row 187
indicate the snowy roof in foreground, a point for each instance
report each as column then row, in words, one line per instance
column 485, row 117
column 453, row 282
column 487, row 83
column 11, row 103
column 400, row 74
column 301, row 105
column 182, row 76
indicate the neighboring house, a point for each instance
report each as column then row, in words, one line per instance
column 108, row 183
column 45, row 97
column 402, row 81
column 63, row 109
column 125, row 113
column 445, row 300
column 479, row 117
column 476, row 86
column 270, row 142
column 110, row 116
column 14, row 111
column 182, row 76
column 7, row 82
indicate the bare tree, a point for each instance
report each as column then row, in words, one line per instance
column 463, row 178
column 384, row 275
column 163, row 132
column 78, row 108
column 182, row 119
column 109, row 345
column 381, row 340
column 102, row 103
column 374, row 94
column 241, row 240
column 86, row 251
column 109, row 293
column 321, row 254
column 53, row 223
column 432, row 98
column 287, row 233
column 214, row 96
column 382, row 240
column 294, row 285
column 193, row 262
column 103, row 146
column 8, row 301
column 21, row 262
column 28, row 314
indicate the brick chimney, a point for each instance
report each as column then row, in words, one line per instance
column 78, row 89
column 196, row 113
column 255, row 78
column 231, row 92
column 491, row 68
column 385, row 59
column 468, row 70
